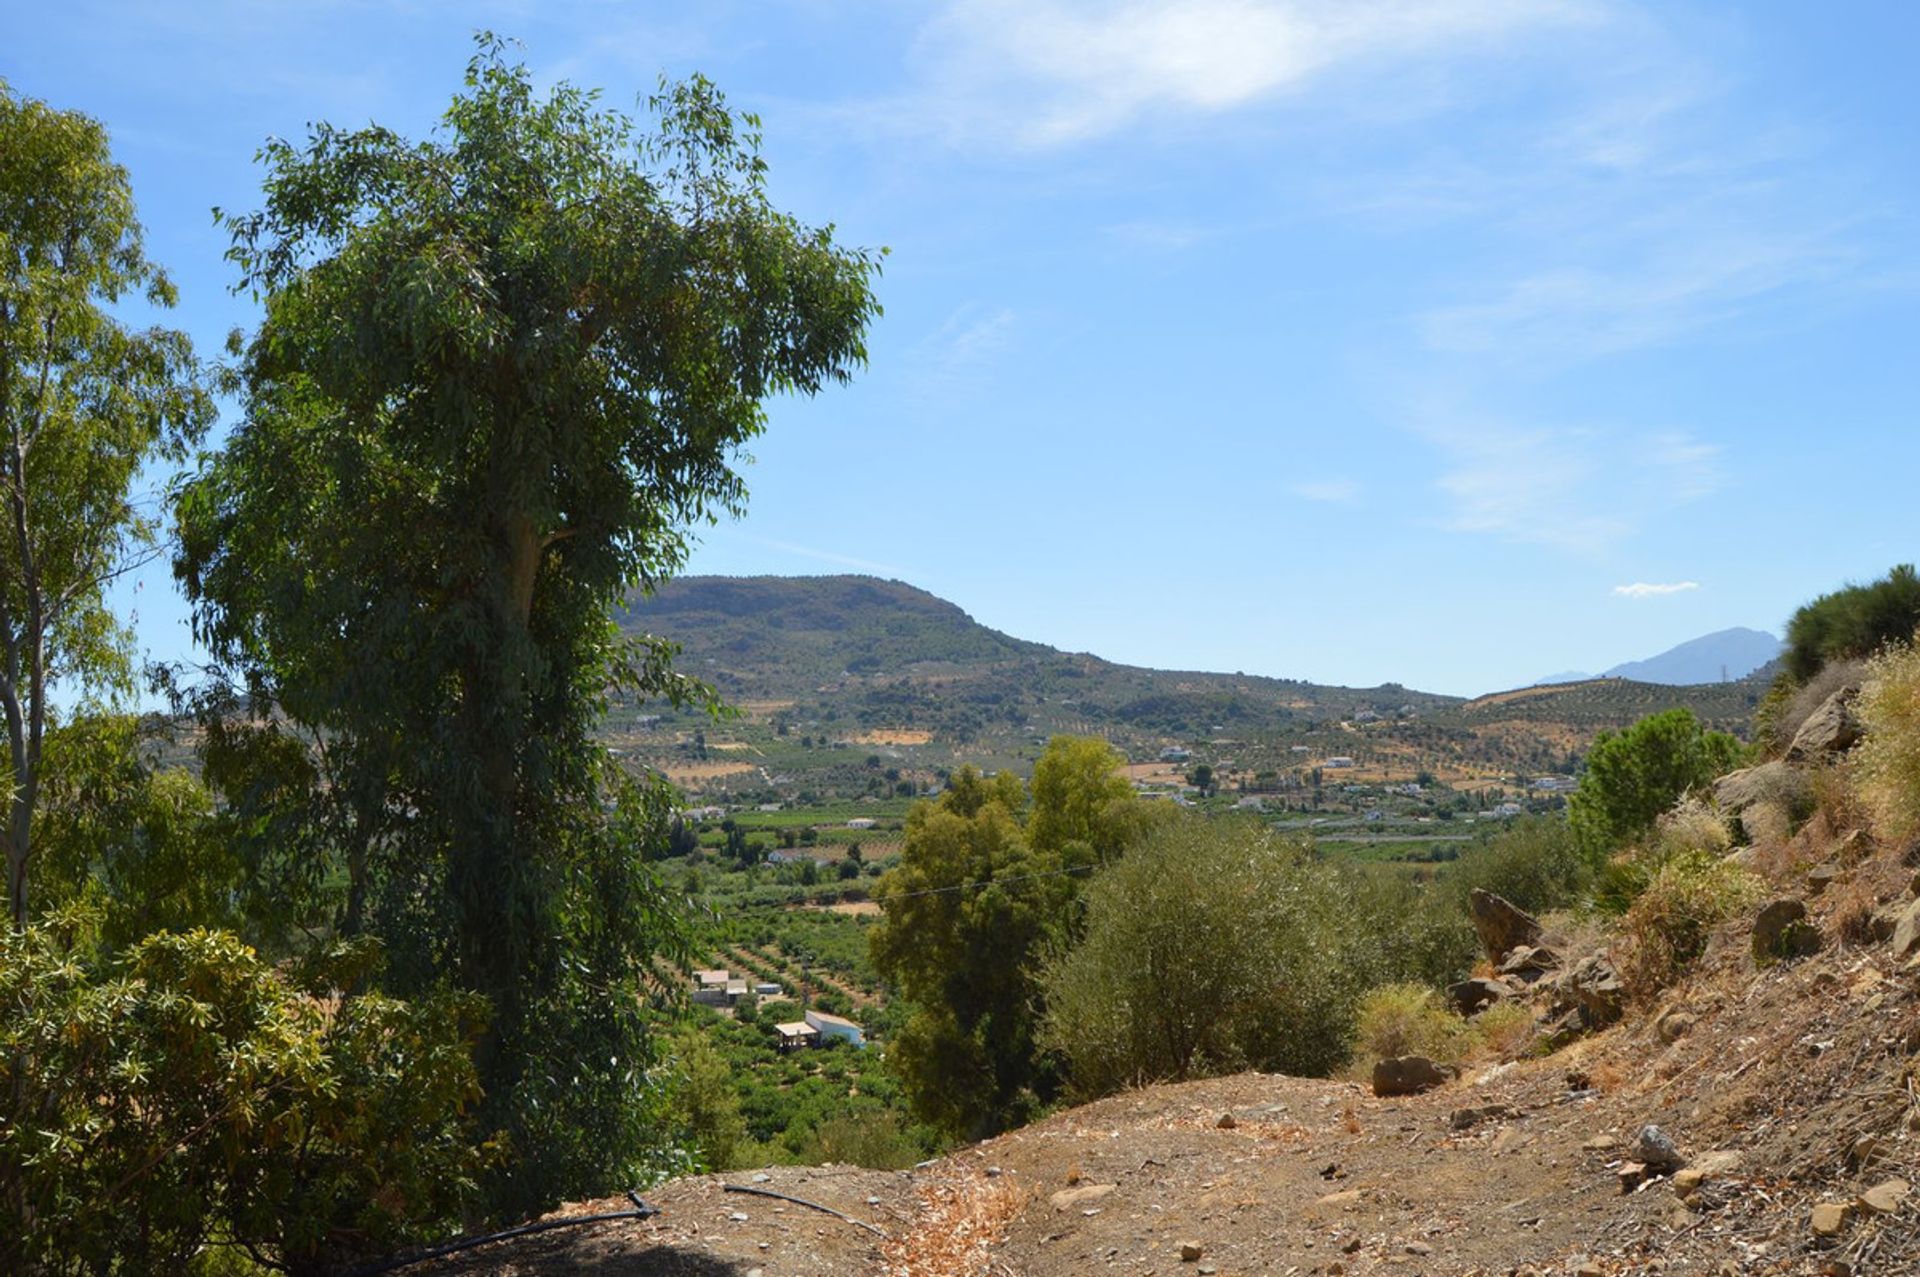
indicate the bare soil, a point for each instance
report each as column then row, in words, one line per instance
column 1797, row 1081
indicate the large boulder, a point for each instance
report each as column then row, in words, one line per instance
column 1831, row 729
column 1469, row 997
column 1501, row 925
column 1906, row 932
column 1529, row 963
column 1407, row 1075
column 1594, row 989
column 1781, row 930
column 1774, row 782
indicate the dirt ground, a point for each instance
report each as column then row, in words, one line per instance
column 1787, row 1087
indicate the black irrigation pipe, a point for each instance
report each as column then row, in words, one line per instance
column 641, row 1211
column 801, row 1201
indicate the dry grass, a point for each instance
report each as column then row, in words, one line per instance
column 894, row 736
column 1692, row 826
column 1405, row 1019
column 1886, row 766
column 1811, row 696
column 960, row 1220
column 1852, row 910
column 1669, row 924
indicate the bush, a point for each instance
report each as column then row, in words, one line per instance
column 189, row 1094
column 1535, row 862
column 1218, row 946
column 1634, row 776
column 1856, row 621
column 1887, row 761
column 875, row 1140
column 1669, row 923
column 1407, row 1019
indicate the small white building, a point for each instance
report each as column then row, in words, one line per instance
column 862, row 822
column 833, row 1026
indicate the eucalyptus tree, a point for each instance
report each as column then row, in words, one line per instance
column 86, row 400
column 502, row 372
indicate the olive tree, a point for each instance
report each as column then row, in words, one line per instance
column 502, row 371
column 86, row 400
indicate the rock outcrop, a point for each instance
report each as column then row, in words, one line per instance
column 1781, row 930
column 1501, row 925
column 1407, row 1075
column 1831, row 729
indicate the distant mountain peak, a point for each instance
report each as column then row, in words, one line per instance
column 1723, row 656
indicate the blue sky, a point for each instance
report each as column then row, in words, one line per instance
column 1449, row 343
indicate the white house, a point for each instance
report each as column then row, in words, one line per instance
column 833, row 1026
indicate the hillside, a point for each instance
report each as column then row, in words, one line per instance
column 1787, row 1087
column 829, row 672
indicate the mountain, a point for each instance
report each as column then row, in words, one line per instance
column 833, row 675
column 1725, row 656
column 884, row 651
column 1722, row 656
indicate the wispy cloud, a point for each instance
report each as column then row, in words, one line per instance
column 1585, row 311
column 1052, row 72
column 829, row 556
column 1579, row 489
column 1332, row 490
column 1654, row 589
column 960, row 354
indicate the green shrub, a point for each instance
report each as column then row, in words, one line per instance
column 1887, row 761
column 1634, row 776
column 1536, row 862
column 1855, row 621
column 1668, row 924
column 188, row 1094
column 1406, row 1019
column 876, row 1140
column 1216, row 946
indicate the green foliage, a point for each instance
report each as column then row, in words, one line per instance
column 967, row 912
column 501, row 372
column 1212, row 947
column 188, row 1093
column 142, row 845
column 1535, row 861
column 704, row 1101
column 876, row 1140
column 1084, row 810
column 1855, row 621
column 1669, row 923
column 1886, row 764
column 1635, row 775
column 1407, row 1019
column 85, row 402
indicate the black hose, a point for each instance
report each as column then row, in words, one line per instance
column 641, row 1211
column 801, row 1201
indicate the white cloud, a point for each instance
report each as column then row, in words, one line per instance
column 1326, row 490
column 1049, row 72
column 1654, row 590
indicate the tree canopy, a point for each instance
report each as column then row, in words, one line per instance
column 85, row 401
column 501, row 372
column 1857, row 620
column 1634, row 775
